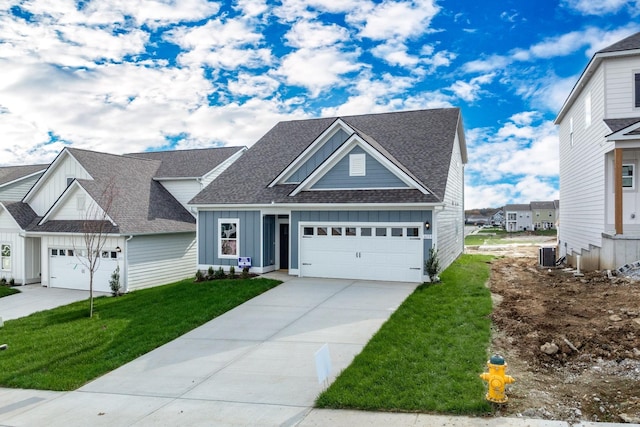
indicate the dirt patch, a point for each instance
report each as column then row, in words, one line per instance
column 571, row 342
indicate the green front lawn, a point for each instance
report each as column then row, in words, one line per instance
column 6, row 290
column 428, row 355
column 62, row 349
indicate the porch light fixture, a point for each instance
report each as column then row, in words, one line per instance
column 118, row 249
column 427, row 225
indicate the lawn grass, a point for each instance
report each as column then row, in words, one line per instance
column 62, row 349
column 501, row 237
column 428, row 356
column 7, row 290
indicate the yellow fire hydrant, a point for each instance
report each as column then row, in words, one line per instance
column 497, row 379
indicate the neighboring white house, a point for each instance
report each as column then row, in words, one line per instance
column 150, row 233
column 16, row 181
column 359, row 197
column 518, row 218
column 599, row 129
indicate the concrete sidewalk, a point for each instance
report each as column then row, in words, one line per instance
column 253, row 366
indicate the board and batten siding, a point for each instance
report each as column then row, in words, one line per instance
column 376, row 175
column 15, row 191
column 47, row 194
column 248, row 231
column 582, row 171
column 619, row 74
column 335, row 141
column 160, row 259
column 403, row 216
column 449, row 224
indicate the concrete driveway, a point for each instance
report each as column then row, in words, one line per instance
column 251, row 366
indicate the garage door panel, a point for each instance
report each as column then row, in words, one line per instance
column 69, row 271
column 367, row 257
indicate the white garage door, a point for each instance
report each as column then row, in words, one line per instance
column 67, row 270
column 389, row 252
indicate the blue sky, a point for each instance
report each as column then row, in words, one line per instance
column 131, row 75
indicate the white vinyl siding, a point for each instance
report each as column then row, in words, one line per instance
column 582, row 178
column 46, row 195
column 160, row 259
column 449, row 239
column 620, row 76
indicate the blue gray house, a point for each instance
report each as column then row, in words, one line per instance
column 358, row 197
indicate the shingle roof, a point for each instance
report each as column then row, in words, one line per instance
column 543, row 205
column 420, row 141
column 188, row 163
column 12, row 173
column 630, row 43
column 517, row 207
column 22, row 213
column 618, row 124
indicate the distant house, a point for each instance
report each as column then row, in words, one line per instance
column 543, row 215
column 357, row 197
column 16, row 181
column 497, row 218
column 599, row 130
column 518, row 218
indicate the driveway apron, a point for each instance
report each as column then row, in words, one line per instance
column 254, row 365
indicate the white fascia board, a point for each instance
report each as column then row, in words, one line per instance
column 311, row 150
column 50, row 170
column 353, row 141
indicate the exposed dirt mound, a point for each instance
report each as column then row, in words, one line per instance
column 571, row 342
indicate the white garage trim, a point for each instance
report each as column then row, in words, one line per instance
column 365, row 251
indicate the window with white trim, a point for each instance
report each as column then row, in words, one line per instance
column 627, row 176
column 5, row 257
column 357, row 164
column 571, row 131
column 228, row 242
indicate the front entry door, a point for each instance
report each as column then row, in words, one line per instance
column 284, row 247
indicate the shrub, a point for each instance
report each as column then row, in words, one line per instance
column 114, row 282
column 12, row 282
column 3, row 281
column 199, row 276
column 232, row 272
column 432, row 265
column 245, row 273
column 210, row 272
column 219, row 274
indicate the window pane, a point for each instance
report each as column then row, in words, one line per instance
column 412, row 231
column 229, row 247
column 69, row 252
column 307, row 231
column 6, row 250
column 54, row 252
column 381, row 232
column 336, row 231
column 365, row 231
column 637, row 88
column 396, row 232
column 322, row 231
column 350, row 231
column 61, row 252
column 228, row 230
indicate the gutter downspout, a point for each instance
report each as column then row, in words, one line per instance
column 125, row 265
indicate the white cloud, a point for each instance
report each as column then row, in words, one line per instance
column 600, row 7
column 293, row 10
column 470, row 91
column 394, row 19
column 246, row 84
column 317, row 69
column 308, row 34
column 395, row 53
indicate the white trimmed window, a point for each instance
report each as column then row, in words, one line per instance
column 357, row 164
column 228, row 241
column 636, row 89
column 5, row 257
column 627, row 176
